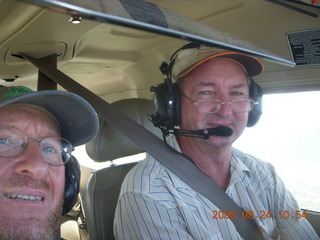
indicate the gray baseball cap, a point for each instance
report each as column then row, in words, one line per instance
column 77, row 119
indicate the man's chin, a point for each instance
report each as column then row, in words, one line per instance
column 220, row 142
column 30, row 228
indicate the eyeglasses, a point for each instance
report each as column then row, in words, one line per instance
column 55, row 150
column 214, row 105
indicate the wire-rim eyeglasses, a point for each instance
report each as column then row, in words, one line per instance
column 55, row 150
column 214, row 105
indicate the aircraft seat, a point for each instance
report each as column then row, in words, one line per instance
column 103, row 186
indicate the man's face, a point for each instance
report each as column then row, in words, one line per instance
column 36, row 212
column 222, row 79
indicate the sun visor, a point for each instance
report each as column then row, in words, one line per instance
column 146, row 16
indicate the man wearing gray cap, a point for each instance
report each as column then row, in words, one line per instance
column 204, row 105
column 39, row 178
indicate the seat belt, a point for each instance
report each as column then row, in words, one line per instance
column 179, row 165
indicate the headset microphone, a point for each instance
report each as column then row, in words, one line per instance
column 221, row 131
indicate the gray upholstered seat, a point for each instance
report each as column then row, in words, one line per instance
column 103, row 187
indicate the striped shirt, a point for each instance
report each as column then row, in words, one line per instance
column 155, row 204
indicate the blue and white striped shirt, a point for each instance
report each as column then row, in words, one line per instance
column 155, row 204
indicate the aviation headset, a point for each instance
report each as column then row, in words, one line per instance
column 72, row 184
column 167, row 97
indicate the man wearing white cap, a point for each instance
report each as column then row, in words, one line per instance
column 39, row 178
column 212, row 99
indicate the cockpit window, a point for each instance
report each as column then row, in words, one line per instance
column 288, row 136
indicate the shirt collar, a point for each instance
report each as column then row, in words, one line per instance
column 238, row 168
column 237, row 162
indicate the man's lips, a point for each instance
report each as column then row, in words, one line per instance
column 21, row 188
column 24, row 197
column 218, row 124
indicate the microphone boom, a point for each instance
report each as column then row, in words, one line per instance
column 221, row 131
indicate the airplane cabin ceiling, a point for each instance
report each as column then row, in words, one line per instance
column 118, row 62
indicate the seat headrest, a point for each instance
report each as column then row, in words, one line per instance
column 110, row 143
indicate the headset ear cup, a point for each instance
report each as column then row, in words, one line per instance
column 72, row 184
column 160, row 104
column 256, row 93
column 176, row 116
column 167, row 104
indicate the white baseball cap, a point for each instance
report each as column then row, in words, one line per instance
column 190, row 58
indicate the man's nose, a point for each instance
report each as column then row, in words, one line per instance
column 31, row 161
column 225, row 109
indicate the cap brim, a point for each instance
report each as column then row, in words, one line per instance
column 78, row 120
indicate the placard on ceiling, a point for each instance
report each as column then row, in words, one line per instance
column 305, row 47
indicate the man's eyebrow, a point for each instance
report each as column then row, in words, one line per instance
column 241, row 85
column 204, row 84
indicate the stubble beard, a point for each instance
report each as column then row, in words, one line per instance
column 31, row 228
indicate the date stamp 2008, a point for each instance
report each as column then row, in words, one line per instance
column 262, row 215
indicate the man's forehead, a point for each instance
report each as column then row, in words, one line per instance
column 19, row 109
column 27, row 110
column 213, row 84
column 19, row 112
